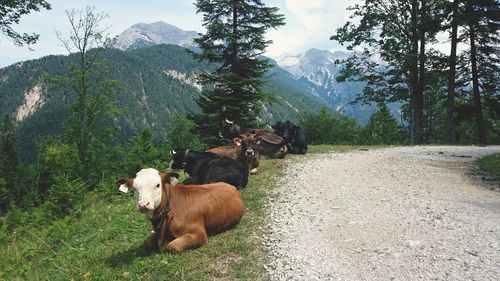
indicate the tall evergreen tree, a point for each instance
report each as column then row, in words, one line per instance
column 9, row 163
column 382, row 128
column 483, row 31
column 234, row 42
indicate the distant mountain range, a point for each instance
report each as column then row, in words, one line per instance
column 143, row 35
column 317, row 70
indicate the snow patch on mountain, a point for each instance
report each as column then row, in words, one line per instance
column 317, row 70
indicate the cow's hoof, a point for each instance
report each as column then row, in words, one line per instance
column 253, row 171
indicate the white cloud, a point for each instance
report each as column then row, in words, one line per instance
column 286, row 41
column 309, row 24
column 319, row 14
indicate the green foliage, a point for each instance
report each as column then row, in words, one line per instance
column 15, row 218
column 490, row 164
column 324, row 128
column 140, row 153
column 56, row 160
column 64, row 197
column 382, row 128
column 234, row 40
column 182, row 133
column 95, row 92
column 5, row 196
column 11, row 13
column 9, row 163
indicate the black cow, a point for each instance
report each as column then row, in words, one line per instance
column 207, row 167
column 294, row 136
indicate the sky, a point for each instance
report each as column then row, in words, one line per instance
column 309, row 24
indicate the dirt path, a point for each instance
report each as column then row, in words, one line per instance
column 409, row 213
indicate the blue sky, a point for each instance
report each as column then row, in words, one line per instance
column 309, row 23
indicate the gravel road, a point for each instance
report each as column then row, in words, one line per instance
column 408, row 213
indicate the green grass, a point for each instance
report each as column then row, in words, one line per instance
column 104, row 242
column 490, row 164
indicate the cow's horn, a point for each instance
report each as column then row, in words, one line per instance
column 229, row 122
column 172, row 152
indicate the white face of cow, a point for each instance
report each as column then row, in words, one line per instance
column 147, row 187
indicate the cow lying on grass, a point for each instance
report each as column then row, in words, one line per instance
column 293, row 135
column 183, row 215
column 242, row 151
column 207, row 167
column 270, row 145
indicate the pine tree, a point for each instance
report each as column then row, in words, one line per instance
column 383, row 128
column 234, row 42
column 9, row 163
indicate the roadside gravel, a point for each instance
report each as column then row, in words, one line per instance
column 406, row 213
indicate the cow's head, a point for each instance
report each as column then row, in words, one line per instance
column 247, row 142
column 228, row 129
column 147, row 186
column 288, row 130
column 278, row 128
column 179, row 158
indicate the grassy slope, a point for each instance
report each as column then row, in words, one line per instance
column 104, row 243
column 490, row 164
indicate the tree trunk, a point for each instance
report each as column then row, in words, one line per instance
column 414, row 81
column 234, row 47
column 419, row 105
column 475, row 86
column 450, row 108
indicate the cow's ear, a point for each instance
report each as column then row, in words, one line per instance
column 128, row 182
column 237, row 141
column 173, row 175
column 124, row 184
column 169, row 178
column 173, row 178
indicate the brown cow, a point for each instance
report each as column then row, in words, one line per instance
column 242, row 150
column 183, row 215
column 270, row 145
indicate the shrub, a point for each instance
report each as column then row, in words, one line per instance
column 64, row 197
column 324, row 128
column 182, row 134
column 382, row 128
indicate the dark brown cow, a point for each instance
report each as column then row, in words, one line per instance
column 183, row 215
column 242, row 150
column 270, row 145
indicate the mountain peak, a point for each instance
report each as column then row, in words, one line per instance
column 142, row 35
